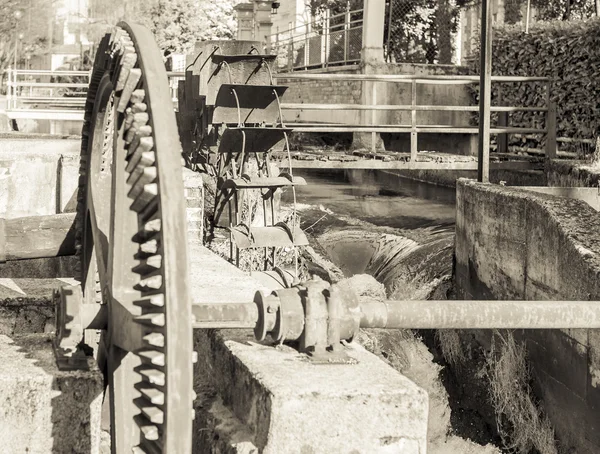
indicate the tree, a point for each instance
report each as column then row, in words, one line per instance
column 179, row 24
column 33, row 25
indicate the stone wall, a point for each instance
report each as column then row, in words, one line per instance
column 323, row 91
column 516, row 244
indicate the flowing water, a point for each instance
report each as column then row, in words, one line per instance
column 381, row 198
column 378, row 223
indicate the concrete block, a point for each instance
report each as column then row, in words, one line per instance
column 44, row 410
column 294, row 406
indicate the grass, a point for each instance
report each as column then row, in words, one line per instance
column 451, row 347
column 521, row 424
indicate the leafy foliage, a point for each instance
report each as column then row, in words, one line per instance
column 566, row 52
column 178, row 24
column 32, row 25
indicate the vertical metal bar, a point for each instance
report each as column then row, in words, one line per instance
column 9, row 91
column 374, row 116
column 346, row 27
column 551, row 131
column 502, row 122
column 528, row 18
column 389, row 33
column 485, row 85
column 306, row 47
column 327, row 36
column 413, row 122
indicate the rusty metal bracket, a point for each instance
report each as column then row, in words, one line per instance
column 69, row 328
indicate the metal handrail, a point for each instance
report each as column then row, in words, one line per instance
column 408, row 78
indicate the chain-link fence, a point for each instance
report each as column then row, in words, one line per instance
column 421, row 31
column 328, row 40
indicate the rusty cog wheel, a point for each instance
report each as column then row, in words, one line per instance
column 132, row 243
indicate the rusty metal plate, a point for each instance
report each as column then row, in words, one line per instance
column 258, row 140
column 248, row 96
column 272, row 236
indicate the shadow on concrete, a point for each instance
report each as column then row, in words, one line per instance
column 75, row 415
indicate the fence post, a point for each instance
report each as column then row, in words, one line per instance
column 346, row 28
column 413, row 122
column 551, row 131
column 9, row 85
column 327, row 36
column 485, row 92
column 502, row 122
column 374, row 117
column 307, row 47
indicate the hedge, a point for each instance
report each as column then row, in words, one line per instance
column 566, row 52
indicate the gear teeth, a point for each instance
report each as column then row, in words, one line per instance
column 133, row 78
column 141, row 158
column 150, row 284
column 153, row 357
column 155, row 396
column 148, row 175
column 154, row 414
column 139, row 119
column 146, row 197
column 149, row 247
column 149, row 430
column 153, row 320
column 149, row 265
column 153, row 376
column 128, row 61
column 152, row 302
column 137, row 96
column 155, row 340
column 144, row 131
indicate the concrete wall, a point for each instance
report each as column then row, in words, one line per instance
column 38, row 176
column 516, row 244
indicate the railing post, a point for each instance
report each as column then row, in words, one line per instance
column 502, row 122
column 346, row 27
column 485, row 83
column 327, row 35
column 374, row 117
column 307, row 47
column 413, row 121
column 9, row 85
column 551, row 131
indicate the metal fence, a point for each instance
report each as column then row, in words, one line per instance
column 421, row 31
column 329, row 40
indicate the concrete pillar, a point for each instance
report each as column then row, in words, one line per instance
column 371, row 63
column 372, row 34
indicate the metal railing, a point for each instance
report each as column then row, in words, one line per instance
column 332, row 40
column 55, row 95
column 502, row 129
column 41, row 94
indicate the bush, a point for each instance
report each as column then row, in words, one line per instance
column 566, row 52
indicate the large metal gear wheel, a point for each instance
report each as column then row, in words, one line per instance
column 132, row 243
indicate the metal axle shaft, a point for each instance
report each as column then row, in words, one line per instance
column 445, row 314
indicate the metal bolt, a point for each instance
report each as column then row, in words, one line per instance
column 271, row 309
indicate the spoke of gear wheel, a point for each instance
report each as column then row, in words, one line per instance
column 131, row 215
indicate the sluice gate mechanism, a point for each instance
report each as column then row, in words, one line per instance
column 132, row 239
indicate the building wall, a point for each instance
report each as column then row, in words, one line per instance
column 515, row 244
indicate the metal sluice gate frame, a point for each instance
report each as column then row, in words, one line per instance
column 131, row 241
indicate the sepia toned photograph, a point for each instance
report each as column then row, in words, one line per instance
column 299, row 227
